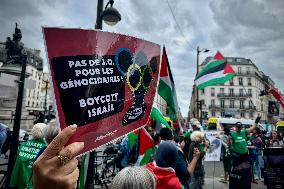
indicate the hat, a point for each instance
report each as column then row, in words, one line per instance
column 166, row 154
column 239, row 124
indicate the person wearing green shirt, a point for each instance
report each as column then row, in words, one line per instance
column 240, row 176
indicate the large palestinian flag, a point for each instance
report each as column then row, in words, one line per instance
column 217, row 71
column 166, row 85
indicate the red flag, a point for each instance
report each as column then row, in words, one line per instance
column 277, row 96
column 146, row 141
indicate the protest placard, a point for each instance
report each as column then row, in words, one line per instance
column 213, row 152
column 103, row 82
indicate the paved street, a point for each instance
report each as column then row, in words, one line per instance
column 214, row 172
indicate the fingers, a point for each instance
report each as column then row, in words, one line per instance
column 58, row 142
column 72, row 150
column 72, row 179
column 69, row 167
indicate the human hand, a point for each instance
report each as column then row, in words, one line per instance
column 57, row 168
column 207, row 144
column 196, row 153
column 257, row 119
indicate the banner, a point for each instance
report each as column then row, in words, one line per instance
column 213, row 153
column 103, row 82
column 273, row 108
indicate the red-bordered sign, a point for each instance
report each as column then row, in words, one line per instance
column 103, row 82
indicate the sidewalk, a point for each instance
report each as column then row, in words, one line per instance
column 209, row 184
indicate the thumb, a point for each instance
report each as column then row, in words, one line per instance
column 58, row 142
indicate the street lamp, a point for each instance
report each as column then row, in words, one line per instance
column 110, row 15
column 16, row 54
column 204, row 50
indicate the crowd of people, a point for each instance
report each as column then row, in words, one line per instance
column 176, row 161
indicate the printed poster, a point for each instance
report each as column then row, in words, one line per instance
column 213, row 153
column 103, row 82
column 273, row 108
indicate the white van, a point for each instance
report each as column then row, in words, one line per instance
column 220, row 122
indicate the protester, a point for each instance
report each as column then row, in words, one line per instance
column 56, row 168
column 197, row 140
column 240, row 177
column 26, row 156
column 134, row 177
column 275, row 140
column 50, row 132
column 163, row 166
column 123, row 153
column 226, row 155
column 183, row 169
column 256, row 141
column 166, row 134
column 3, row 135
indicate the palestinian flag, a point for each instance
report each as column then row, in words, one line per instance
column 146, row 145
column 157, row 115
column 166, row 85
column 217, row 71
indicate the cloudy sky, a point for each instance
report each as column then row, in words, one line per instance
column 251, row 29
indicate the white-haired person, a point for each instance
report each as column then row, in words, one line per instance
column 197, row 141
column 134, row 177
column 50, row 132
column 22, row 171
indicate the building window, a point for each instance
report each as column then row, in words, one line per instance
column 251, row 115
column 239, row 60
column 250, row 104
column 261, row 107
column 222, row 91
column 241, row 104
column 248, row 70
column 242, row 114
column 239, row 70
column 240, row 81
column 229, row 60
column 241, row 91
column 222, row 103
column 212, row 102
column 212, row 91
column 250, row 92
column 232, row 81
column 213, row 114
column 249, row 81
column 203, row 91
column 231, row 92
column 222, row 114
column 232, row 104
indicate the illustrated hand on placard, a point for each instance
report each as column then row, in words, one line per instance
column 138, row 77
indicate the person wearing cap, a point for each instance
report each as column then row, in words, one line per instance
column 240, row 159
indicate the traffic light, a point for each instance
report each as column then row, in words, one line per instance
column 205, row 115
column 199, row 104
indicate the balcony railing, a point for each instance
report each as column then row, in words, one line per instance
column 233, row 95
column 248, row 74
column 237, row 107
column 214, row 107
